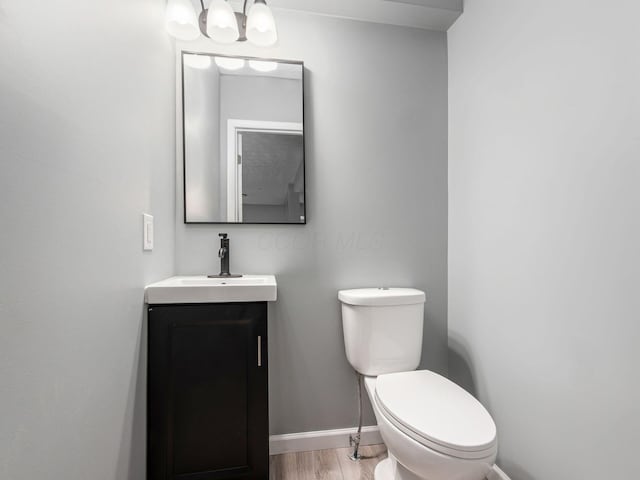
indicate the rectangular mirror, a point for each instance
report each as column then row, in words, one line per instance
column 243, row 139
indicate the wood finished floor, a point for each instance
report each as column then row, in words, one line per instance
column 326, row 464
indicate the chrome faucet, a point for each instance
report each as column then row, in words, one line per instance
column 224, row 254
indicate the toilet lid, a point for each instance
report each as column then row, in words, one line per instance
column 437, row 410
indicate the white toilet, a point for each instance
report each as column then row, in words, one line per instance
column 433, row 429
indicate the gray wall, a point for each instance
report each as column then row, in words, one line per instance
column 376, row 109
column 86, row 146
column 544, row 231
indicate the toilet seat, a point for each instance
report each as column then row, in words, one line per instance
column 437, row 413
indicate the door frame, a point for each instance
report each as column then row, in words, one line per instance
column 234, row 166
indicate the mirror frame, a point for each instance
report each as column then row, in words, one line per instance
column 181, row 96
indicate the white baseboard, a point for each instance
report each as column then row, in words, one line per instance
column 321, row 440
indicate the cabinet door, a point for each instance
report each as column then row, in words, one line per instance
column 207, row 392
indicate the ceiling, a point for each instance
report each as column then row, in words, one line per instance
column 427, row 14
column 289, row 71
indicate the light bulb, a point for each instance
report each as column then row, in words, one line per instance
column 229, row 63
column 262, row 66
column 201, row 62
column 222, row 25
column 261, row 27
column 181, row 21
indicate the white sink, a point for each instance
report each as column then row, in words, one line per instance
column 200, row 289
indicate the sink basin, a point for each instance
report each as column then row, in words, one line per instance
column 211, row 282
column 200, row 289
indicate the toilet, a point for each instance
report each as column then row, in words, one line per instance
column 433, row 429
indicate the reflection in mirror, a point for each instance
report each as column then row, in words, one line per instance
column 243, row 140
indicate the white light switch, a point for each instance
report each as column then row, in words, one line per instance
column 147, row 233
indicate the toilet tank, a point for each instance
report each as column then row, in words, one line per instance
column 382, row 329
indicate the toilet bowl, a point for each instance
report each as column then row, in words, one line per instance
column 433, row 429
column 457, row 453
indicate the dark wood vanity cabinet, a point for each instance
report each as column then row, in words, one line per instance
column 207, row 404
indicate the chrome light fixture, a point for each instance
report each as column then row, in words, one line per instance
column 260, row 25
column 220, row 23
